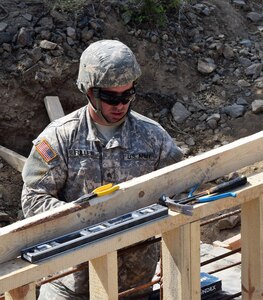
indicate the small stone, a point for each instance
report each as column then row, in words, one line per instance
column 243, row 83
column 239, row 3
column 179, row 112
column 254, row 70
column 24, row 37
column 212, row 123
column 47, row 45
column 254, row 16
column 206, row 65
column 71, row 32
column 7, row 47
column 228, row 223
column 234, row 110
column 36, row 54
column 190, row 141
column 259, row 83
column 165, row 37
column 28, row 17
column 242, row 101
column 3, row 26
column 257, row 106
column 87, row 34
column 4, row 217
column 228, row 52
column 156, row 56
column 154, row 38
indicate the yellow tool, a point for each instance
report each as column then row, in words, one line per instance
column 98, row 192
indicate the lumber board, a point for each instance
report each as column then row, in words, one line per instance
column 103, row 277
column 252, row 249
column 14, row 159
column 53, row 107
column 231, row 243
column 181, row 262
column 16, row 272
column 134, row 194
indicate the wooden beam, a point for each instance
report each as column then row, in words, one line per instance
column 14, row 273
column 181, row 262
column 103, row 277
column 252, row 249
column 14, row 159
column 53, row 107
column 133, row 194
column 25, row 292
column 231, row 243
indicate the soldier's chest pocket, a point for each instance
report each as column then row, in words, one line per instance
column 140, row 162
column 83, row 162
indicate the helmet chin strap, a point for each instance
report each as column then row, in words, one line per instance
column 99, row 113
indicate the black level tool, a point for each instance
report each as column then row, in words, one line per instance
column 82, row 237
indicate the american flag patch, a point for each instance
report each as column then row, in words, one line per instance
column 46, row 151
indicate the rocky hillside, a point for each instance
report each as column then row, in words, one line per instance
column 202, row 71
column 202, row 68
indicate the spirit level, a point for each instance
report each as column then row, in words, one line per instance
column 92, row 233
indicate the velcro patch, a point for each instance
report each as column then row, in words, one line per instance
column 46, row 151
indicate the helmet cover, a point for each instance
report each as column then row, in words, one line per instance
column 107, row 63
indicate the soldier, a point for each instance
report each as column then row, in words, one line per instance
column 103, row 142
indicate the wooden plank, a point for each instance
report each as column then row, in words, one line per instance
column 53, row 107
column 25, row 292
column 231, row 243
column 14, row 159
column 133, row 194
column 195, row 290
column 14, row 273
column 171, row 272
column 252, row 249
column 181, row 262
column 103, row 277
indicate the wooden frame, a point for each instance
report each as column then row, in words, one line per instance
column 137, row 193
column 180, row 233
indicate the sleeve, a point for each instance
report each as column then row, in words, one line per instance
column 170, row 153
column 44, row 174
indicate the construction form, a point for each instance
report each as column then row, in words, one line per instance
column 179, row 234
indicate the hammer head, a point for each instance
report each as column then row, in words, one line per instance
column 185, row 209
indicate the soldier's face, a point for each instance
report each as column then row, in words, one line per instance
column 113, row 113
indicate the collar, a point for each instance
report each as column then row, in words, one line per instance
column 122, row 137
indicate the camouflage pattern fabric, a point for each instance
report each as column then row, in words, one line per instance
column 71, row 158
column 107, row 63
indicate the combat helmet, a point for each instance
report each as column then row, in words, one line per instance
column 106, row 63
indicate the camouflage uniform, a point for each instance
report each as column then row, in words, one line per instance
column 71, row 158
column 82, row 160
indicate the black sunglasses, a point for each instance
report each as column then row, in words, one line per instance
column 113, row 98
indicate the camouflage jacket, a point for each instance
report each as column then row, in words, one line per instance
column 71, row 158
